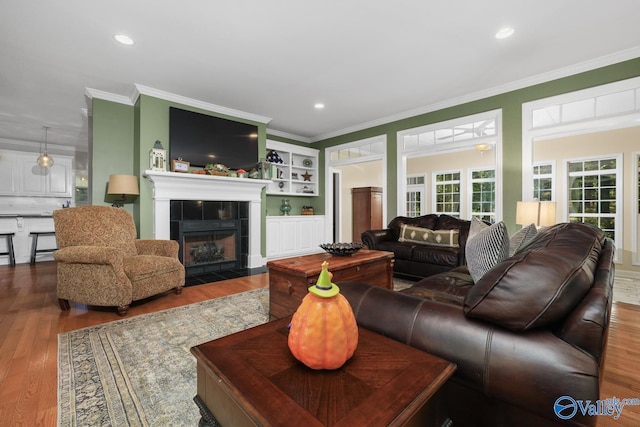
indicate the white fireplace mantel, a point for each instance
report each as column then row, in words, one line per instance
column 169, row 186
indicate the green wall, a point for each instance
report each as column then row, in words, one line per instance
column 112, row 148
column 511, row 105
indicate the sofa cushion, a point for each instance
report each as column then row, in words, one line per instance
column 487, row 245
column 440, row 255
column 522, row 238
column 426, row 236
column 400, row 250
column 541, row 284
column 450, row 287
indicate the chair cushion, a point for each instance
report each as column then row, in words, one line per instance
column 140, row 267
column 487, row 245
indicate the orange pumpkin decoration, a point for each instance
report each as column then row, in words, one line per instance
column 323, row 333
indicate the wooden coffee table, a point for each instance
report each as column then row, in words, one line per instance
column 251, row 379
column 289, row 278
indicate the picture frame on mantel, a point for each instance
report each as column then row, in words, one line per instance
column 180, row 165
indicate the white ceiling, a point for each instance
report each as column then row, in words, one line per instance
column 367, row 60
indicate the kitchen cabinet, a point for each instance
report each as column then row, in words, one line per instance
column 21, row 176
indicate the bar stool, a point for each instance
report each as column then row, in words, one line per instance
column 34, row 244
column 12, row 258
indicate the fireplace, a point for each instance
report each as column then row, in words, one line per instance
column 212, row 234
column 243, row 194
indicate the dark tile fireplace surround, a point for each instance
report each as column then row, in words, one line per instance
column 213, row 238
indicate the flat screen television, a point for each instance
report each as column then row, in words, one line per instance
column 201, row 139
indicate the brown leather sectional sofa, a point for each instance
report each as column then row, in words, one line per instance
column 415, row 260
column 530, row 334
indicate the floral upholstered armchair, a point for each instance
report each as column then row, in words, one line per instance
column 100, row 261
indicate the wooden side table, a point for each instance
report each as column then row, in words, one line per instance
column 289, row 278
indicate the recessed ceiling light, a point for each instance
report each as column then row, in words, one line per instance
column 319, row 106
column 504, row 33
column 124, row 39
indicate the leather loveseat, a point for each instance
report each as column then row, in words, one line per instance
column 416, row 259
column 530, row 333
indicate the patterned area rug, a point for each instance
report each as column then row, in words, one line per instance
column 139, row 371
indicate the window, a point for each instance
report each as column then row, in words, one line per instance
column 543, row 174
column 415, row 195
column 483, row 194
column 446, row 188
column 594, row 195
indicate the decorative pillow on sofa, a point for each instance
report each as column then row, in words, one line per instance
column 487, row 245
column 522, row 238
column 425, row 236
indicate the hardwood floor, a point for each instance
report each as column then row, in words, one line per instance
column 31, row 321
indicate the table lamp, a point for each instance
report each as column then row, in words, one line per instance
column 122, row 185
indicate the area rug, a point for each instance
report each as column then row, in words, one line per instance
column 139, row 371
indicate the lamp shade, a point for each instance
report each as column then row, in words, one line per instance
column 539, row 213
column 547, row 215
column 527, row 213
column 126, row 185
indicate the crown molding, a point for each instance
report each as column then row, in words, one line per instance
column 288, row 135
column 600, row 62
column 107, row 96
column 167, row 96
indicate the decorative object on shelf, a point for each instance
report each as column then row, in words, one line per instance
column 307, row 210
column 262, row 169
column 157, row 157
column 305, row 190
column 179, row 165
column 307, row 163
column 45, row 160
column 216, row 169
column 324, row 332
column 254, row 173
column 274, row 157
column 342, row 249
column 241, row 173
column 307, row 176
column 294, row 175
column 285, row 207
column 281, row 185
column 125, row 186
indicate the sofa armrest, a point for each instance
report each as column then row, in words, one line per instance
column 527, row 369
column 372, row 237
column 168, row 248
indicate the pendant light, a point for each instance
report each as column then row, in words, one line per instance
column 44, row 160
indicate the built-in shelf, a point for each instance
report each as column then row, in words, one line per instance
column 297, row 175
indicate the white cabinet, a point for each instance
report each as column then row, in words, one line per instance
column 294, row 235
column 297, row 174
column 21, row 175
column 8, row 175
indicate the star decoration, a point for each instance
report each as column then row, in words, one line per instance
column 306, row 176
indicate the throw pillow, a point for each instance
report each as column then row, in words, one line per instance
column 425, row 236
column 521, row 238
column 487, row 245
